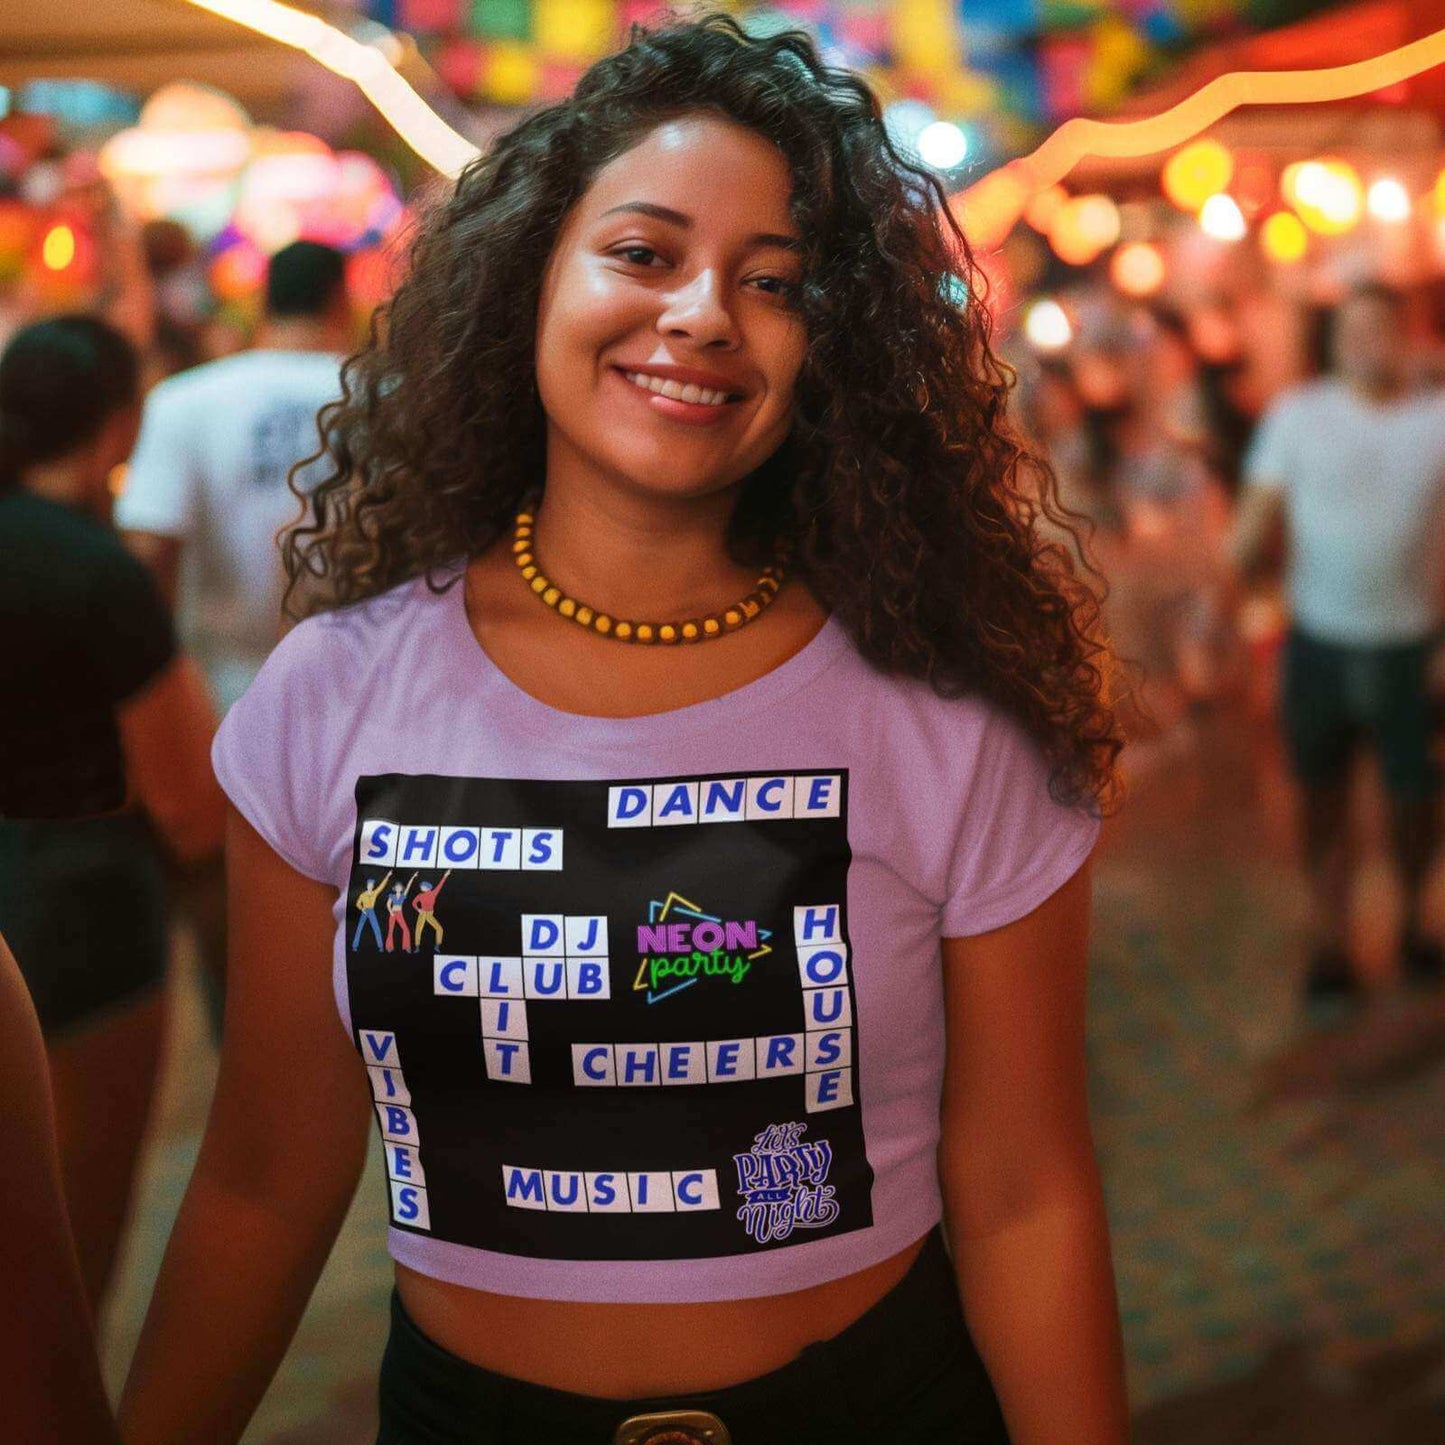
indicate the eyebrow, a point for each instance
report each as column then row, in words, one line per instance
column 676, row 218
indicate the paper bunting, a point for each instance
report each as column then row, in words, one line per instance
column 1025, row 61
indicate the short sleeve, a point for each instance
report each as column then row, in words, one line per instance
column 271, row 752
column 129, row 629
column 160, row 488
column 1014, row 845
column 1267, row 463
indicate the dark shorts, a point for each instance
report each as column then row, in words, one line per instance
column 906, row 1370
column 1335, row 697
column 83, row 908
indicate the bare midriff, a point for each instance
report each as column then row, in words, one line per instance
column 626, row 1351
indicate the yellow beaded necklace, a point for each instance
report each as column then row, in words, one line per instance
column 695, row 629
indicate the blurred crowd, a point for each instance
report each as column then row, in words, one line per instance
column 1146, row 417
column 146, row 439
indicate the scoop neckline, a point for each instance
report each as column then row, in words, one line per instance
column 586, row 730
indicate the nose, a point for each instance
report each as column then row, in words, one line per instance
column 699, row 311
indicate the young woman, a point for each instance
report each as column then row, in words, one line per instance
column 686, row 603
column 105, row 734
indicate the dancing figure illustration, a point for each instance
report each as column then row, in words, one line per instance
column 396, row 915
column 424, row 902
column 366, row 908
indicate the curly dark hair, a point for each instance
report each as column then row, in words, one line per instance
column 913, row 511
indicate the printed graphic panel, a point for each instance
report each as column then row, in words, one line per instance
column 610, row 1019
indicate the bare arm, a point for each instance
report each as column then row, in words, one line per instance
column 161, row 556
column 53, row 1389
column 1258, row 536
column 1023, row 1203
column 166, row 731
column 284, row 1148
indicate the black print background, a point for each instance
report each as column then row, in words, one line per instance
column 469, row 1126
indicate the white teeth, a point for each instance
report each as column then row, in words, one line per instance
column 676, row 390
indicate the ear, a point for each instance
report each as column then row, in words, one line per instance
column 117, row 437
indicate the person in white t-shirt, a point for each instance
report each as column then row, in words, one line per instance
column 207, row 489
column 1351, row 470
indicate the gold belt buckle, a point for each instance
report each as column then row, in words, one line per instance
column 673, row 1427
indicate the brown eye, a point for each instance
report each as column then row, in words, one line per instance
column 628, row 252
column 785, row 290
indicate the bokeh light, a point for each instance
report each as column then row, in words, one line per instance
column 1197, row 172
column 1326, row 195
column 1284, row 238
column 1137, row 269
column 942, row 145
column 1047, row 326
column 57, row 251
column 1221, row 219
column 1084, row 228
column 1387, row 200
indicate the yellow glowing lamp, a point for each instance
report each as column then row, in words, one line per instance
column 1440, row 193
column 1196, row 172
column 1284, row 238
column 1326, row 195
column 1137, row 269
column 57, row 250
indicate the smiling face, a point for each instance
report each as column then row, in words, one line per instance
column 668, row 339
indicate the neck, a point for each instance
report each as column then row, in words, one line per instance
column 634, row 554
column 297, row 333
column 71, row 481
column 1377, row 388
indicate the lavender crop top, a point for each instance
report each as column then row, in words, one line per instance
column 673, row 1029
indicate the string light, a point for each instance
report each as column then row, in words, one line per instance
column 1080, row 137
column 365, row 65
column 989, row 208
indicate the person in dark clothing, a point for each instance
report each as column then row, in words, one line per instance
column 103, row 760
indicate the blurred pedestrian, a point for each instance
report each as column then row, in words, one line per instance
column 1349, row 472
column 103, row 759
column 1171, row 605
column 206, row 491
